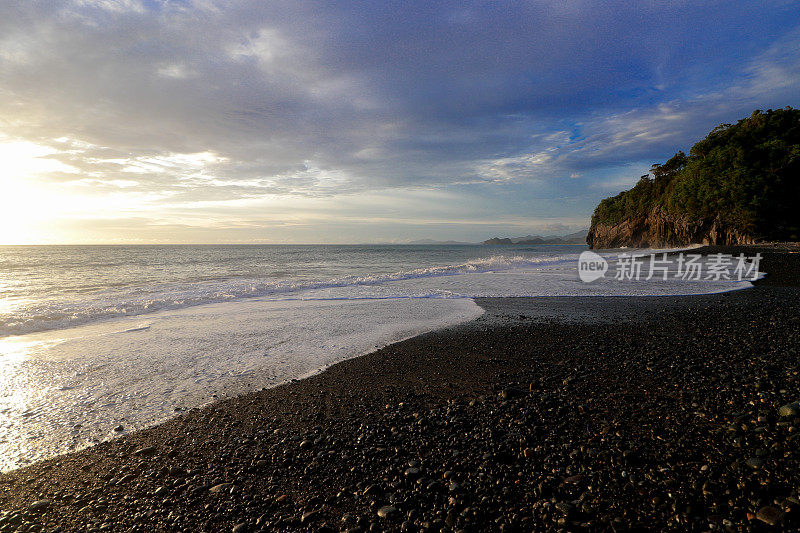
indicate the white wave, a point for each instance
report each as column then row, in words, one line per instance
column 58, row 315
column 536, row 276
column 74, row 387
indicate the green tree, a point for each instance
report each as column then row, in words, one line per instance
column 746, row 174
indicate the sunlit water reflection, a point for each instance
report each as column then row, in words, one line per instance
column 68, row 389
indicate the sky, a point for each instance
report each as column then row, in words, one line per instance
column 156, row 121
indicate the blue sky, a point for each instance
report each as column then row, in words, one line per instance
column 252, row 121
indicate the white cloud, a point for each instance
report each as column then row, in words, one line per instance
column 177, row 71
column 113, row 6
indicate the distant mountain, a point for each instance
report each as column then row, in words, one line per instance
column 579, row 237
column 432, row 241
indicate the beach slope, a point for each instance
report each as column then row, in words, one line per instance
column 586, row 413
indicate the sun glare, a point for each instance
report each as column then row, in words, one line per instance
column 26, row 205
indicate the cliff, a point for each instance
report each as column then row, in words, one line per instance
column 739, row 185
column 659, row 229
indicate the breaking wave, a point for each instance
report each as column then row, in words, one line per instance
column 133, row 299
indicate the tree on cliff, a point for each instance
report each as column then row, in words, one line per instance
column 745, row 175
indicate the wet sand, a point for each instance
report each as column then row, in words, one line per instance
column 579, row 413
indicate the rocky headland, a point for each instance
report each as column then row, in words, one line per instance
column 659, row 229
column 739, row 185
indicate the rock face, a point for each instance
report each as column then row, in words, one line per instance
column 657, row 229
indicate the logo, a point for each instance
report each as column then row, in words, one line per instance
column 591, row 266
column 689, row 267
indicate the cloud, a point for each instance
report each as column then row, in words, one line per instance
column 198, row 101
column 645, row 135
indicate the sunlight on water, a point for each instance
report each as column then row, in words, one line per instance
column 23, row 399
column 68, row 389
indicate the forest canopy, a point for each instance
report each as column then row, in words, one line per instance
column 745, row 174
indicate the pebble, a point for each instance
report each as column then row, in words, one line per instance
column 755, row 463
column 511, row 392
column 411, row 473
column 387, row 511
column 770, row 515
column 146, row 451
column 790, row 409
column 221, row 487
column 39, row 505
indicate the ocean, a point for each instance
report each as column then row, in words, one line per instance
column 97, row 341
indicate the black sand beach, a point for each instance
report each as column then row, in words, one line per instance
column 613, row 414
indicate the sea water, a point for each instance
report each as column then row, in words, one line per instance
column 96, row 341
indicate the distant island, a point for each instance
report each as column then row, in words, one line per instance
column 739, row 185
column 434, row 241
column 579, row 237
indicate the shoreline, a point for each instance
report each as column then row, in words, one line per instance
column 511, row 396
column 237, row 367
